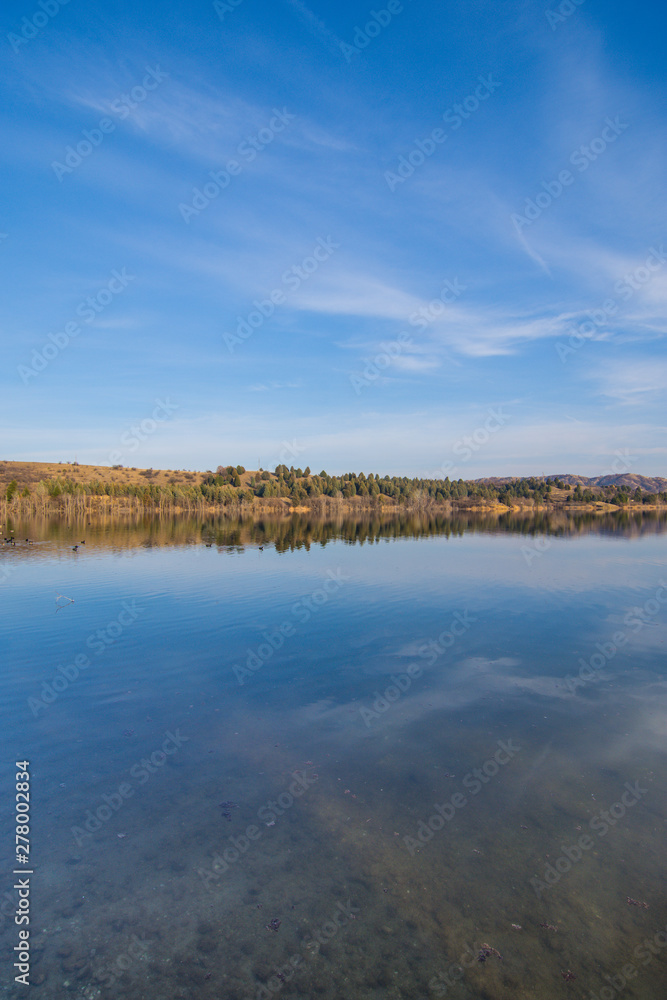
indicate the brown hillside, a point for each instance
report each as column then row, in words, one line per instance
column 30, row 473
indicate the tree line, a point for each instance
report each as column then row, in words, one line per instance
column 230, row 485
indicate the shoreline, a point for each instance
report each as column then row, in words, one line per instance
column 70, row 489
column 91, row 505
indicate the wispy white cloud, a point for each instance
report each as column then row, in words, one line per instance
column 369, row 440
column 533, row 254
column 632, row 381
column 324, row 174
column 473, row 330
column 318, row 28
column 348, row 293
column 267, row 386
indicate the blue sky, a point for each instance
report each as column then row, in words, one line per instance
column 432, row 237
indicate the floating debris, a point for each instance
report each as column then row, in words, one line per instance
column 637, row 902
column 226, row 806
column 517, row 927
column 128, row 732
column 549, row 927
column 273, row 925
column 568, row 976
column 486, row 951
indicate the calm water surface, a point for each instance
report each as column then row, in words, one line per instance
column 362, row 761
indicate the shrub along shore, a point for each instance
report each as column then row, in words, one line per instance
column 75, row 489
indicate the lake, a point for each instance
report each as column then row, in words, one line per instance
column 408, row 758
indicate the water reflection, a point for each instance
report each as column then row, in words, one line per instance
column 334, row 768
column 303, row 530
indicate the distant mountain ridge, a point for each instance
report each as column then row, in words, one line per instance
column 625, row 480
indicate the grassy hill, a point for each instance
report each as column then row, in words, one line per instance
column 628, row 481
column 30, row 473
column 72, row 486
